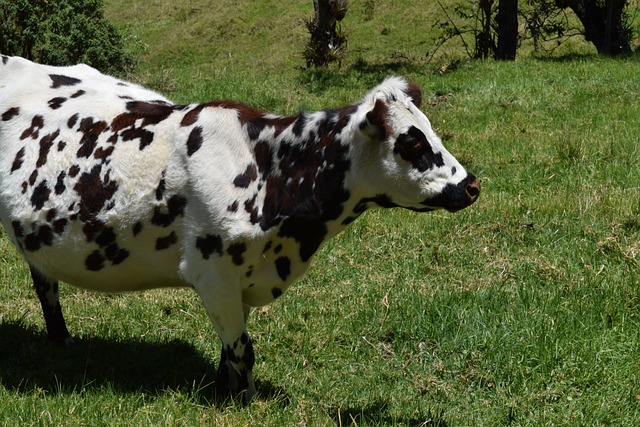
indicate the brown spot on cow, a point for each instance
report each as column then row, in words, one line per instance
column 37, row 123
column 94, row 192
column 91, row 132
column 46, row 142
column 10, row 113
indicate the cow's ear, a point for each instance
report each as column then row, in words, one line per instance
column 415, row 93
column 375, row 123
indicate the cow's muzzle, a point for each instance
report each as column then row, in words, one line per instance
column 456, row 196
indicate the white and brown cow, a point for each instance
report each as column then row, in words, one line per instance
column 109, row 186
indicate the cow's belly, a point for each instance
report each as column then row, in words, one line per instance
column 117, row 260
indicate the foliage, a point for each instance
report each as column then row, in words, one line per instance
column 63, row 32
column 546, row 23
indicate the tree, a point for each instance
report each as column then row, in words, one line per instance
column 603, row 23
column 507, row 21
column 327, row 41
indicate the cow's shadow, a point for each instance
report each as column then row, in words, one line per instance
column 28, row 360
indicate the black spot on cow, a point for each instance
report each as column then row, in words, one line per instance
column 17, row 162
column 51, row 214
column 95, row 261
column 91, row 131
column 277, row 249
column 18, row 229
column 10, row 113
column 413, row 147
column 92, row 228
column 60, row 80
column 165, row 242
column 298, row 126
column 309, row 233
column 40, row 195
column 72, row 121
column 61, row 145
column 194, row 142
column 5, row 59
column 59, row 225
column 56, row 102
column 267, row 247
column 35, row 240
column 115, row 254
column 46, row 142
column 247, row 177
column 78, row 93
column 37, row 123
column 234, row 206
column 209, row 245
column 106, row 237
column 276, row 292
column 94, row 192
column 283, row 266
column 174, row 209
column 236, row 250
column 263, row 155
column 137, row 228
column 161, row 187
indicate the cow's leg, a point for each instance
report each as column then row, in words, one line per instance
column 47, row 291
column 227, row 313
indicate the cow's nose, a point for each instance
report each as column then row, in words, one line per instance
column 473, row 190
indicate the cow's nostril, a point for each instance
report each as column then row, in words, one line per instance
column 473, row 190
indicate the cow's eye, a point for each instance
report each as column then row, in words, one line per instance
column 413, row 147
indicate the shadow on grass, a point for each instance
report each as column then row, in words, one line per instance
column 378, row 414
column 320, row 80
column 28, row 361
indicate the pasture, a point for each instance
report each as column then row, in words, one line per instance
column 523, row 309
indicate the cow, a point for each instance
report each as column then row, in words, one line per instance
column 108, row 186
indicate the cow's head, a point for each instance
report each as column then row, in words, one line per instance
column 402, row 161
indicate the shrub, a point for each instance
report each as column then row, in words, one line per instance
column 63, row 32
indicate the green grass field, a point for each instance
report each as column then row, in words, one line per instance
column 522, row 310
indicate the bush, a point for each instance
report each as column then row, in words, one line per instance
column 63, row 32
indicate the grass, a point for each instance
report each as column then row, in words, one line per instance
column 522, row 310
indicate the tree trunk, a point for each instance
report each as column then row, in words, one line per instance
column 484, row 40
column 602, row 24
column 326, row 42
column 507, row 20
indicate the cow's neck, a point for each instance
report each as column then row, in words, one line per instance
column 304, row 168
